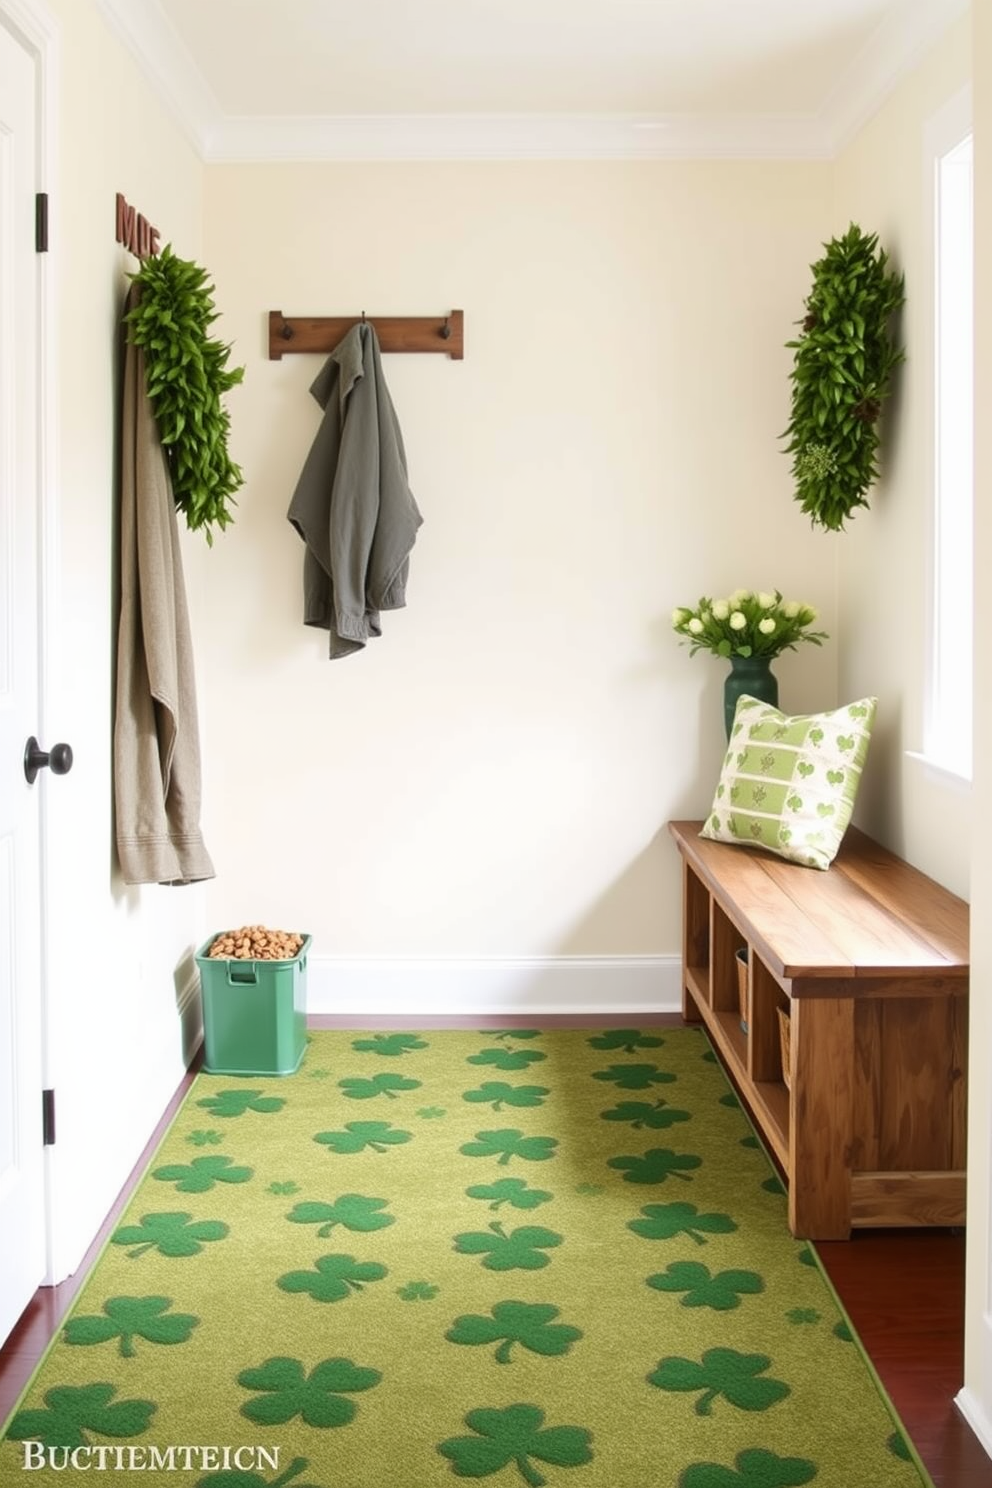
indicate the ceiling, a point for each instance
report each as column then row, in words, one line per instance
column 281, row 79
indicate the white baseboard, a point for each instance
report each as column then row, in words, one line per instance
column 190, row 1010
column 498, row 985
column 977, row 1416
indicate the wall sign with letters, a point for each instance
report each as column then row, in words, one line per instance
column 135, row 231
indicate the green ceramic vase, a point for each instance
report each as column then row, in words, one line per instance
column 752, row 675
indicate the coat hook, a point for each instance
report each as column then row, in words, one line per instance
column 287, row 331
column 363, row 317
column 446, row 328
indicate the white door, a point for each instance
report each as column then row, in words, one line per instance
column 22, row 1190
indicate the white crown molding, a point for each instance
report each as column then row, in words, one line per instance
column 511, row 137
column 152, row 40
column 891, row 51
column 34, row 22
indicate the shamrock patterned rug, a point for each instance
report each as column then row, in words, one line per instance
column 523, row 1258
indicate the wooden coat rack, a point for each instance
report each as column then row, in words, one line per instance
column 444, row 333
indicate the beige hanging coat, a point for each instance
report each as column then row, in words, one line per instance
column 156, row 734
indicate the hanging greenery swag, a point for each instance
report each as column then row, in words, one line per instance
column 186, row 371
column 844, row 361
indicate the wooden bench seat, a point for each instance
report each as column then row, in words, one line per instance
column 870, row 962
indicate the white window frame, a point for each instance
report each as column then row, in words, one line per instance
column 948, row 696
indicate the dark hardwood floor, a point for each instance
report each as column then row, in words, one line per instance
column 903, row 1291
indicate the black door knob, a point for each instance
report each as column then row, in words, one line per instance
column 58, row 759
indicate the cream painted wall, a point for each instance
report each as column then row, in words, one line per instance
column 977, row 1395
column 883, row 576
column 883, row 590
column 115, row 1035
column 492, row 776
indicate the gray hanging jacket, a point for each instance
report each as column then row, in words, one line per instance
column 352, row 505
column 156, row 731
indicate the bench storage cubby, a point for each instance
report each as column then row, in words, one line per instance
column 868, row 962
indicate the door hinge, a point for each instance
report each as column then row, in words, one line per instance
column 41, row 222
column 48, row 1118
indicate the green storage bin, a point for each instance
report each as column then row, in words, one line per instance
column 254, row 1013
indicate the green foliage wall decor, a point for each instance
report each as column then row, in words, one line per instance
column 844, row 361
column 186, row 373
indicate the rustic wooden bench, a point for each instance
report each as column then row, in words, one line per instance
column 869, row 960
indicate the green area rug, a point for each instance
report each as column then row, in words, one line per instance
column 522, row 1258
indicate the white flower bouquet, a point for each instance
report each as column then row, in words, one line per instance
column 746, row 623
